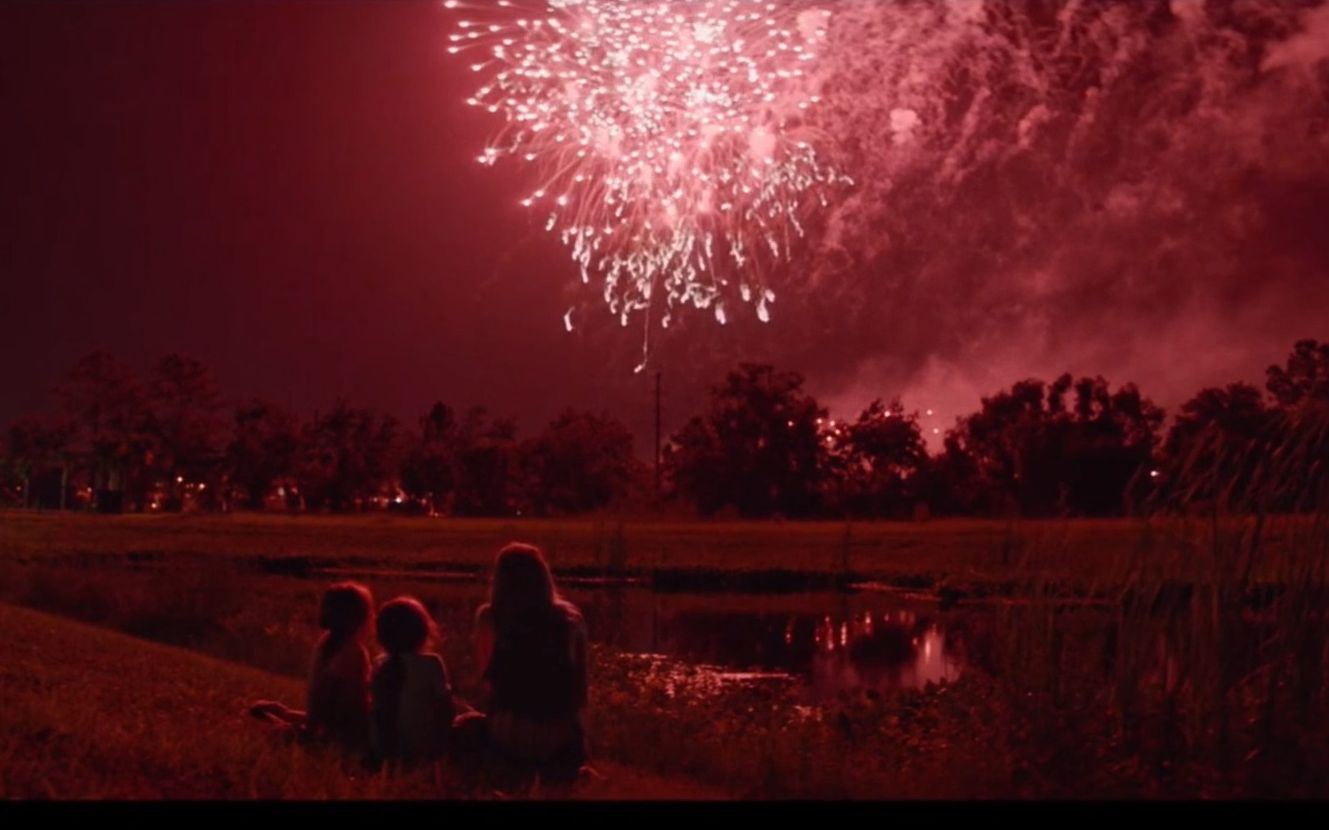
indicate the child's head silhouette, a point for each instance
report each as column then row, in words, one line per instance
column 523, row 583
column 345, row 609
column 404, row 626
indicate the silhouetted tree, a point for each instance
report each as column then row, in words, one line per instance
column 12, row 489
column 264, row 450
column 1071, row 447
column 428, row 469
column 758, row 449
column 875, row 459
column 949, row 482
column 486, row 465
column 1305, row 377
column 1218, row 438
column 106, row 407
column 346, row 456
column 580, row 462
column 185, row 418
column 1237, row 411
column 36, row 454
column 1296, row 475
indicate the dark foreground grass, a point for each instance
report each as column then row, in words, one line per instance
column 91, row 713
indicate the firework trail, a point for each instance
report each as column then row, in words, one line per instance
column 667, row 137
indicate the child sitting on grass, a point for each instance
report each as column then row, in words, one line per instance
column 533, row 647
column 337, row 709
column 412, row 695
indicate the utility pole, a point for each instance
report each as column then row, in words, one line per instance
column 657, row 435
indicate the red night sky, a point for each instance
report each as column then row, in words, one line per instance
column 287, row 192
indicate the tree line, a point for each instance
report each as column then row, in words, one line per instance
column 116, row 442
column 763, row 447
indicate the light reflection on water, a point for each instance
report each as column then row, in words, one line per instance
column 828, row 642
column 887, row 656
column 831, row 642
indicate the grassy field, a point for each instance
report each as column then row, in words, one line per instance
column 571, row 543
column 926, row 554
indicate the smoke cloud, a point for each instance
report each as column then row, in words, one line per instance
column 1131, row 189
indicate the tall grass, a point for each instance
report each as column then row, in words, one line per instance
column 1209, row 677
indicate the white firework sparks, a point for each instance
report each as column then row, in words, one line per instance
column 665, row 136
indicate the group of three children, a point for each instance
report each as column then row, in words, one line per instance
column 532, row 647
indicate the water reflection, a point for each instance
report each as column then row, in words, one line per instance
column 837, row 642
column 893, row 650
column 830, row 642
column 834, row 642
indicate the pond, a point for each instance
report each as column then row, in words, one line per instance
column 827, row 641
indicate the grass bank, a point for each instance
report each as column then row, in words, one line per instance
column 92, row 713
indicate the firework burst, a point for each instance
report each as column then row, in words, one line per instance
column 665, row 137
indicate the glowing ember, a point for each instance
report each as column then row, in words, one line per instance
column 666, row 138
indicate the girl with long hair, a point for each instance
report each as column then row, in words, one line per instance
column 337, row 704
column 532, row 646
